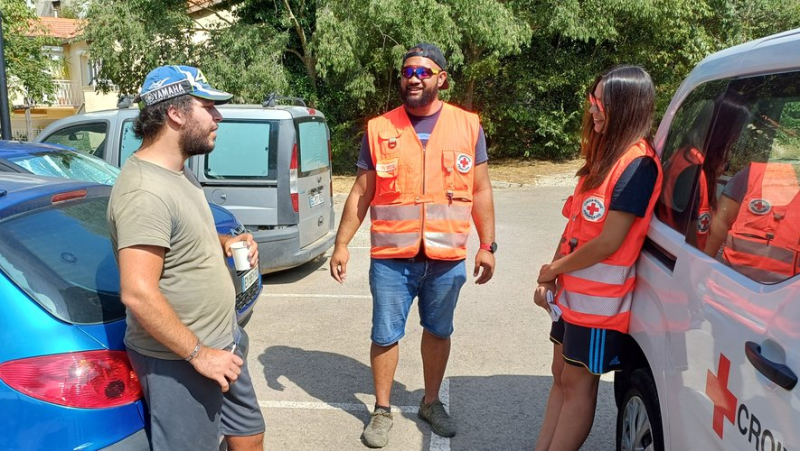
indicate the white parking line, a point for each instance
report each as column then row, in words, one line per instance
column 329, row 406
column 438, row 443
column 309, row 295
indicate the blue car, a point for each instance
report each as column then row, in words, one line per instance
column 60, row 161
column 65, row 379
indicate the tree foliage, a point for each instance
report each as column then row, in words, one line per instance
column 524, row 65
column 27, row 62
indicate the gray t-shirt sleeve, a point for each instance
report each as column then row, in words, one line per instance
column 141, row 219
column 365, row 158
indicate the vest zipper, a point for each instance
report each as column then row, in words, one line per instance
column 423, row 169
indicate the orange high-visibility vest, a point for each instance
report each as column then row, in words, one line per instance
column 764, row 241
column 422, row 193
column 599, row 296
column 682, row 159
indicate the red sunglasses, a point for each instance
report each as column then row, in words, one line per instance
column 596, row 103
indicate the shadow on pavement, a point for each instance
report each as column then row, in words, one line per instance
column 500, row 412
column 295, row 274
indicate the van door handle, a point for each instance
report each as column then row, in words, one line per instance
column 776, row 372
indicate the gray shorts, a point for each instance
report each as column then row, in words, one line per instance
column 188, row 411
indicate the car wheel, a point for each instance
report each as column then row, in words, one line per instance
column 639, row 415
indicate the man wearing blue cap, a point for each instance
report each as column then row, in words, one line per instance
column 182, row 337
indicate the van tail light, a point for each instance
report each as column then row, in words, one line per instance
column 330, row 163
column 293, row 180
column 88, row 379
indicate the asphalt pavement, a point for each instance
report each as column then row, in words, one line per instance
column 309, row 348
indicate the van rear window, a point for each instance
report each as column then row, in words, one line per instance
column 244, row 150
column 313, row 140
column 62, row 257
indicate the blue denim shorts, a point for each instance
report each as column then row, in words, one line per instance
column 396, row 282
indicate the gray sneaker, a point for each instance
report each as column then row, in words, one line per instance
column 439, row 419
column 376, row 434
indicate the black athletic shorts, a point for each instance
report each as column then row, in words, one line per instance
column 599, row 350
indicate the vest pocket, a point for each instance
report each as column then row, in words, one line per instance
column 458, row 173
column 386, row 171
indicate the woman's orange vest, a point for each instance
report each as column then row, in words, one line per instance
column 683, row 159
column 422, row 193
column 600, row 296
column 764, row 241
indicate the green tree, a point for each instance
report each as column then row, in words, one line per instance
column 523, row 65
column 132, row 37
column 27, row 62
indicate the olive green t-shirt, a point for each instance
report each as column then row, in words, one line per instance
column 154, row 206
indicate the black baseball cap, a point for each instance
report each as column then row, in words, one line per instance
column 431, row 52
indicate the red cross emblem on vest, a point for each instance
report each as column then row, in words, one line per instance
column 463, row 163
column 759, row 206
column 593, row 209
column 717, row 389
column 704, row 222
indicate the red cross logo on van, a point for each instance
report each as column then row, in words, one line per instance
column 760, row 206
column 717, row 389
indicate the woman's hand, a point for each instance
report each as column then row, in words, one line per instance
column 540, row 294
column 547, row 274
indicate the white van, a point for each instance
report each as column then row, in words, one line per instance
column 271, row 167
column 715, row 317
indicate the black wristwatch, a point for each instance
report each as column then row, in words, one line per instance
column 489, row 247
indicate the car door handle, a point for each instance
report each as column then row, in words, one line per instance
column 776, row 372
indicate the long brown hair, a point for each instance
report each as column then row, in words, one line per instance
column 628, row 101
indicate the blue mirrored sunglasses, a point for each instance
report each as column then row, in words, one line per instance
column 420, row 72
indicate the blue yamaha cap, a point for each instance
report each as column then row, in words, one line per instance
column 167, row 82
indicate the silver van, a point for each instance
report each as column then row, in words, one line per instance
column 271, row 168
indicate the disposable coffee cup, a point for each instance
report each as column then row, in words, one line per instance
column 240, row 258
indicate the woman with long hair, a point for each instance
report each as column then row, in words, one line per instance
column 592, row 273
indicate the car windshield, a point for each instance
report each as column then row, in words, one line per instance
column 61, row 256
column 68, row 165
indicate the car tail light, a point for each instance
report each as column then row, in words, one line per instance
column 89, row 379
column 293, row 180
column 69, row 195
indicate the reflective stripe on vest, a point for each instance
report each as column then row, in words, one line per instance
column 610, row 286
column 596, row 305
column 445, row 240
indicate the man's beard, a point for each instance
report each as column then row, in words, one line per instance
column 427, row 97
column 195, row 142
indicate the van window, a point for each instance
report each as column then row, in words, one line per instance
column 755, row 227
column 312, row 139
column 129, row 143
column 244, row 150
column 89, row 138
